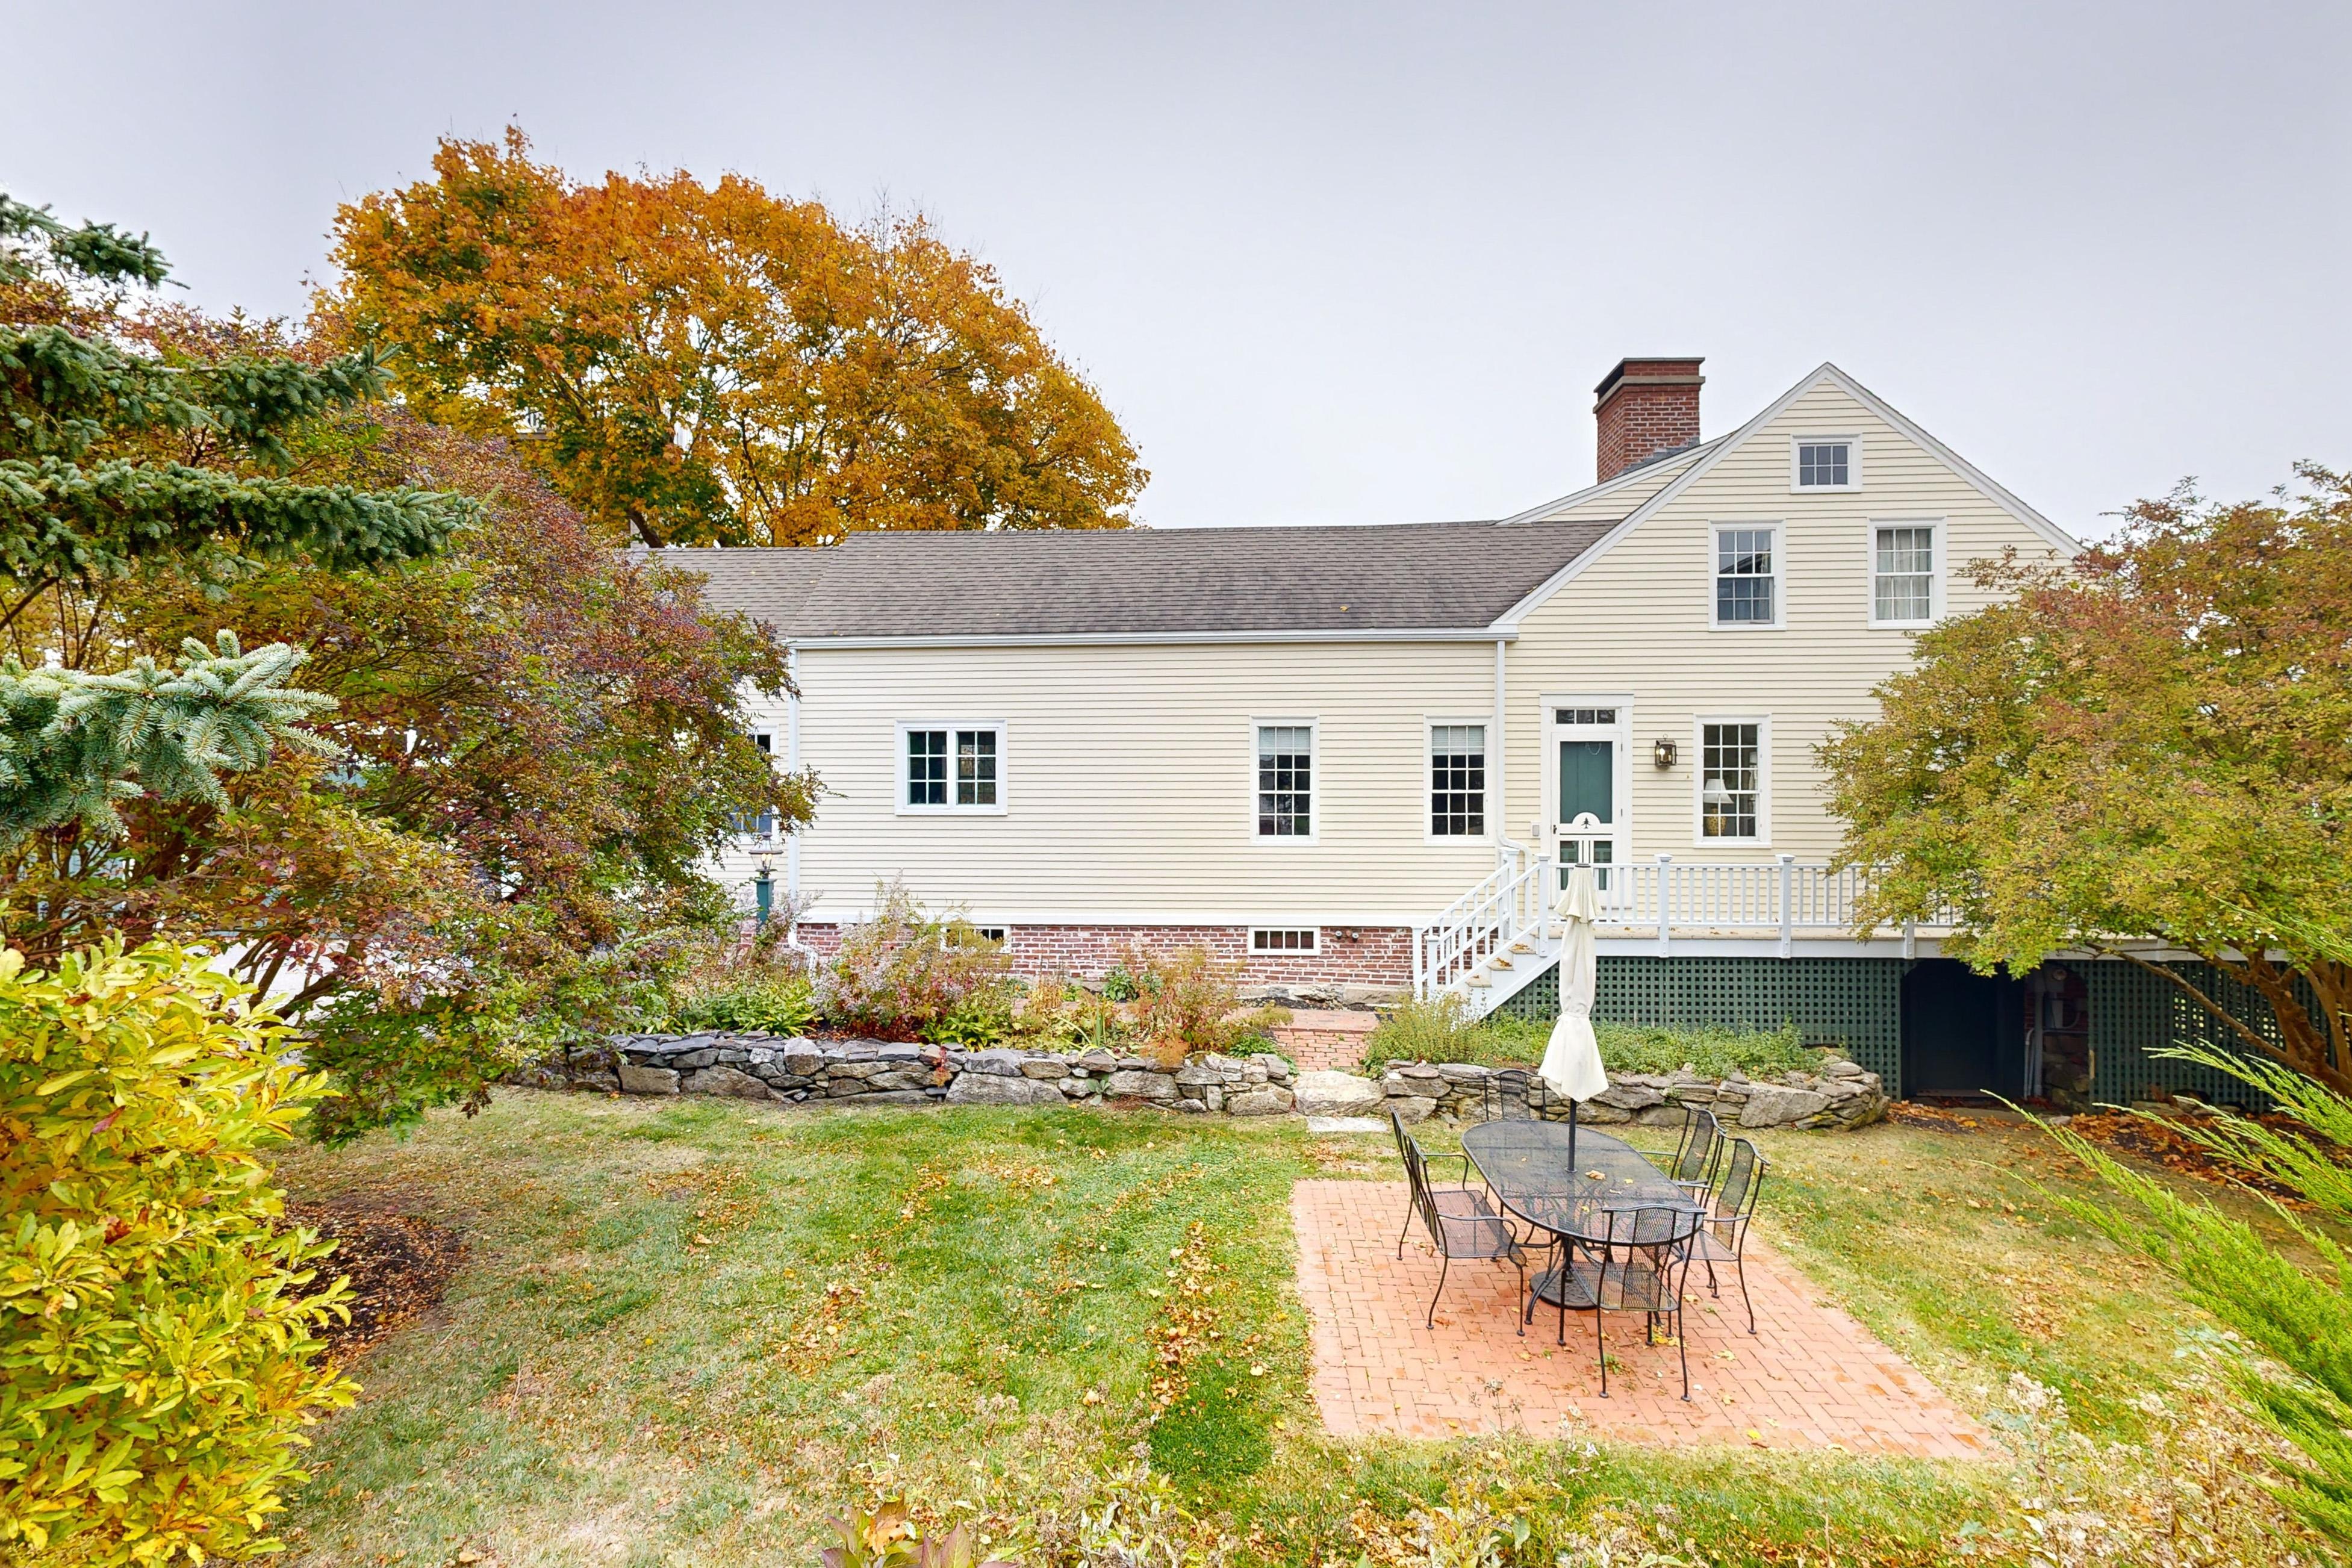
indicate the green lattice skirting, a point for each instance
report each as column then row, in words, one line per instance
column 1856, row 1003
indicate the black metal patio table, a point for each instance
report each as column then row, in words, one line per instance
column 1529, row 1165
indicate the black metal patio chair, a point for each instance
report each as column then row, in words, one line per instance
column 1692, row 1167
column 1722, row 1234
column 1515, row 1094
column 1635, row 1261
column 1462, row 1221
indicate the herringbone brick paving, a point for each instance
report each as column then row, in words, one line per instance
column 1810, row 1376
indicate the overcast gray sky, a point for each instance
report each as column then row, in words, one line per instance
column 1365, row 262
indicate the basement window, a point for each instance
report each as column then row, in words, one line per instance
column 1286, row 941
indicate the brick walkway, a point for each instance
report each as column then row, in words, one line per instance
column 1811, row 1378
column 1316, row 1040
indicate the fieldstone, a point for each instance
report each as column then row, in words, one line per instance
column 897, row 1097
column 686, row 1061
column 899, row 1078
column 1332, row 1093
column 725, row 1081
column 1410, row 1108
column 1629, row 1094
column 1462, row 1072
column 1268, row 1101
column 839, row 1088
column 995, row 1063
column 1842, row 1069
column 648, row 1080
column 843, row 1072
column 1044, row 1068
column 1600, row 1115
column 802, row 1062
column 1099, row 1060
column 1661, row 1116
column 1197, row 1075
column 1142, row 1082
column 1769, row 1105
column 999, row 1088
column 1195, row 1107
column 1077, row 1088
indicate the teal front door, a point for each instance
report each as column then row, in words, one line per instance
column 1588, row 805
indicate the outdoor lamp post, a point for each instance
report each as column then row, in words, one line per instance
column 764, row 886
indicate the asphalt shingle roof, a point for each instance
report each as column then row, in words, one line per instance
column 1435, row 576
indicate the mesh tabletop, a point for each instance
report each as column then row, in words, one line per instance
column 1527, row 1164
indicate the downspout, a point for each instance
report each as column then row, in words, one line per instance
column 1498, row 811
column 793, row 839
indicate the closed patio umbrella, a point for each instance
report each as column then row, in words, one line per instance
column 1571, row 1060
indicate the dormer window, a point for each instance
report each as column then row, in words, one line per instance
column 1824, row 463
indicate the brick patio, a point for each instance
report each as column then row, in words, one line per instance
column 1811, row 1378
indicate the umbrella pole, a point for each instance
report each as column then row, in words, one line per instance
column 1572, row 1135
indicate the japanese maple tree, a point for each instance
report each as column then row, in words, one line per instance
column 2152, row 746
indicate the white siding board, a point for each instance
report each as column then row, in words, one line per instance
column 1638, row 619
column 1129, row 780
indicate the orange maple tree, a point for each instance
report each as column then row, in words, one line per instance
column 694, row 363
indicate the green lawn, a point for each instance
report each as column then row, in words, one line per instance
column 688, row 1331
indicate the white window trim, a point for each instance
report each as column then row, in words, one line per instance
column 1430, row 724
column 1763, row 722
column 1934, row 525
column 1779, row 533
column 1312, row 949
column 1314, row 728
column 1852, row 463
column 1004, row 778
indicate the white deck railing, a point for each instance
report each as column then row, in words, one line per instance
column 1666, row 898
column 1472, row 929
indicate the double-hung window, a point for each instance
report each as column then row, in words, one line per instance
column 951, row 767
column 1748, row 574
column 1457, row 780
column 1286, row 781
column 1731, row 779
column 1902, row 573
column 764, row 824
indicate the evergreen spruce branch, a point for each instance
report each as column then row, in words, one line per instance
column 96, row 250
column 59, row 521
column 74, row 744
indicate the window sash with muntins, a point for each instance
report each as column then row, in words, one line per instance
column 1286, row 781
column 1745, row 576
column 976, row 767
column 1902, row 574
column 1825, row 465
column 1457, row 780
column 927, row 767
column 1730, row 780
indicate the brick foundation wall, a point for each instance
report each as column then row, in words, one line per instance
column 1351, row 956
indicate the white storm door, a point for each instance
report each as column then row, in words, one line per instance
column 1587, row 768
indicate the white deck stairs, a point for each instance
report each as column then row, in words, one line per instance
column 1492, row 941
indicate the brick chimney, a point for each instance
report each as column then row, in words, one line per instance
column 1644, row 408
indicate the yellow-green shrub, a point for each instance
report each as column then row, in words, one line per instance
column 155, row 1366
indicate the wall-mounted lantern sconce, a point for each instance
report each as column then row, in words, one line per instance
column 1663, row 754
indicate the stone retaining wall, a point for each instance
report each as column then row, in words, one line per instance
column 875, row 1072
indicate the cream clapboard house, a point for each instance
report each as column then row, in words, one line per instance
column 1358, row 757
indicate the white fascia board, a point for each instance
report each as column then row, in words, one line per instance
column 1626, row 480
column 1114, row 639
column 1993, row 491
column 1509, row 621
